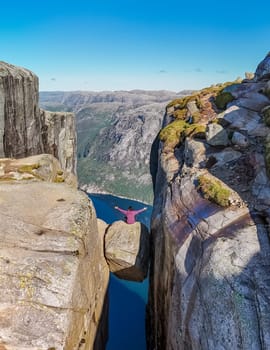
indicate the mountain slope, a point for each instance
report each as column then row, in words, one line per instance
column 115, row 134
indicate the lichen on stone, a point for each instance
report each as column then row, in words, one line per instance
column 213, row 190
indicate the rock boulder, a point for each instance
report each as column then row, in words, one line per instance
column 263, row 68
column 127, row 250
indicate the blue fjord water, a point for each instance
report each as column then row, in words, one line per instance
column 127, row 299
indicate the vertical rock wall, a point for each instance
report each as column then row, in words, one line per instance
column 209, row 278
column 54, row 277
column 59, row 137
column 25, row 129
column 20, row 126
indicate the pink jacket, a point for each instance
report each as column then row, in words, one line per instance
column 130, row 214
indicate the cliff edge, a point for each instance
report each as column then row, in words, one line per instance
column 25, row 130
column 210, row 226
column 54, row 277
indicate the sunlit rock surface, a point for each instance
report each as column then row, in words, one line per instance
column 42, row 167
column 26, row 130
column 127, row 250
column 54, row 277
column 59, row 137
column 263, row 68
column 53, row 273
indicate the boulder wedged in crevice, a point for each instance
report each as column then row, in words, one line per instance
column 127, row 250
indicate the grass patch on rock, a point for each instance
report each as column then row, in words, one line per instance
column 185, row 122
column 222, row 99
column 28, row 168
column 213, row 190
column 172, row 134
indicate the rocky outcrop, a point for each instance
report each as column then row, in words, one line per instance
column 127, row 250
column 24, row 129
column 210, row 225
column 54, row 276
column 59, row 138
column 43, row 167
column 20, row 125
column 263, row 68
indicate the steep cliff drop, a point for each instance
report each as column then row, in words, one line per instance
column 54, row 277
column 26, row 130
column 209, row 279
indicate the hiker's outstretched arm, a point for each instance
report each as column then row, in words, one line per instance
column 140, row 210
column 121, row 210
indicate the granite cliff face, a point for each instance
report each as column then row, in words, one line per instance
column 54, row 277
column 24, row 129
column 209, row 284
column 115, row 134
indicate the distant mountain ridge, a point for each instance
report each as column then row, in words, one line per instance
column 78, row 99
column 116, row 130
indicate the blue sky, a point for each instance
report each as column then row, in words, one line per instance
column 142, row 44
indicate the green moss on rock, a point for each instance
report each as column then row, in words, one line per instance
column 181, row 103
column 171, row 135
column 174, row 133
column 266, row 115
column 267, row 155
column 214, row 190
column 59, row 179
column 267, row 90
column 28, row 168
column 195, row 130
column 222, row 99
column 6, row 178
column 180, row 114
column 196, row 117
